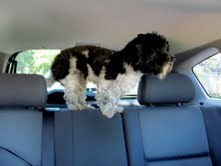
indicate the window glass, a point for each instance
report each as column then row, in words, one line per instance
column 208, row 73
column 37, row 62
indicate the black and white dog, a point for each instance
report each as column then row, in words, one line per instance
column 114, row 72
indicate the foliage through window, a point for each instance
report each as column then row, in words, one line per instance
column 209, row 74
column 35, row 61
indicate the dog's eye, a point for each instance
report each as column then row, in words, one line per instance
column 171, row 59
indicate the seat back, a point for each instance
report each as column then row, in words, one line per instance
column 21, row 98
column 170, row 131
column 87, row 137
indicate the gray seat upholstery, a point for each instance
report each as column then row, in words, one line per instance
column 86, row 137
column 169, row 132
column 212, row 118
column 21, row 98
column 173, row 89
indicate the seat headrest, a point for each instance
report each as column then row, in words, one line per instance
column 22, row 90
column 173, row 89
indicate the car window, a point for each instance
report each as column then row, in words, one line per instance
column 208, row 73
column 35, row 61
column 39, row 62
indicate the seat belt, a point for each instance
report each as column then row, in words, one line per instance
column 48, row 139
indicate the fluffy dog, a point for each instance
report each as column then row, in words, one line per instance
column 114, row 72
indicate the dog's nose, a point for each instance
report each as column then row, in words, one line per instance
column 172, row 59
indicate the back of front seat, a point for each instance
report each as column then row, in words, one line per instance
column 21, row 98
column 168, row 132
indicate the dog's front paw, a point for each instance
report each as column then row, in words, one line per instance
column 72, row 107
column 119, row 109
column 76, row 107
column 79, row 107
column 109, row 113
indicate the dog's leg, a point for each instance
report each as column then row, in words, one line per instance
column 74, row 85
column 108, row 96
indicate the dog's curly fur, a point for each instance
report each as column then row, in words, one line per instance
column 114, row 72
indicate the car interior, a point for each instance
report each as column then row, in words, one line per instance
column 175, row 121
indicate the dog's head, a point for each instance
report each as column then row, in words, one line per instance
column 153, row 54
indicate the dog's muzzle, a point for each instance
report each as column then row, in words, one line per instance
column 172, row 59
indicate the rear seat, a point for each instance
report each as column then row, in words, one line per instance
column 212, row 118
column 86, row 137
column 170, row 131
column 21, row 98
